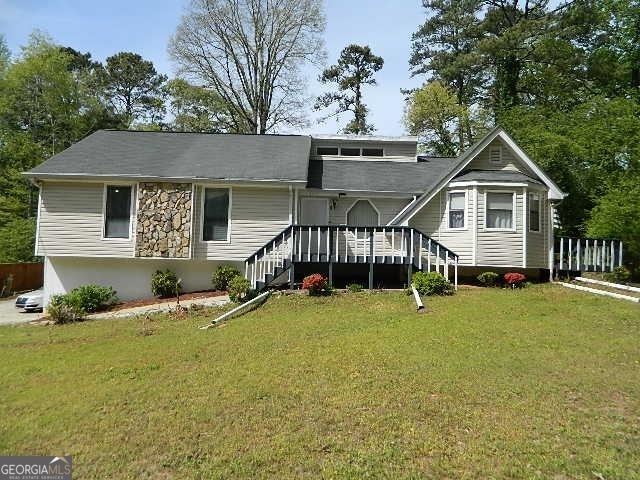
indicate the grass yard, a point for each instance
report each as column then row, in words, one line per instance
column 539, row 383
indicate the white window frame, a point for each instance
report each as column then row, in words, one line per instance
column 514, row 219
column 351, row 148
column 132, row 207
column 529, row 203
column 362, row 149
column 202, row 198
column 346, row 215
column 466, row 210
column 327, row 146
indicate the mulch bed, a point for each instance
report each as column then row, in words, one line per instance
column 142, row 302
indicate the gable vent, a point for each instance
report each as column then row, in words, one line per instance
column 495, row 155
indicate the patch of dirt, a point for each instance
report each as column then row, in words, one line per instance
column 142, row 302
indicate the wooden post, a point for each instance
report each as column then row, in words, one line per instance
column 620, row 253
column 292, row 276
column 371, row 263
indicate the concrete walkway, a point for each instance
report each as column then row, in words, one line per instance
column 161, row 307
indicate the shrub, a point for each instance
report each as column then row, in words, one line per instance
column 92, row 298
column 354, row 287
column 65, row 309
column 165, row 284
column 431, row 283
column 223, row 276
column 488, row 279
column 516, row 280
column 74, row 306
column 619, row 275
column 239, row 289
column 316, row 284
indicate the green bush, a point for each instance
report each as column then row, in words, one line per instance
column 80, row 301
column 92, row 298
column 431, row 283
column 488, row 279
column 65, row 309
column 239, row 289
column 619, row 275
column 165, row 284
column 223, row 275
column 354, row 287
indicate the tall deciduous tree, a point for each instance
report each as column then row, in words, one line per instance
column 434, row 114
column 134, row 88
column 355, row 69
column 250, row 53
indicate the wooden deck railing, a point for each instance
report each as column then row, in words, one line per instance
column 345, row 244
column 587, row 254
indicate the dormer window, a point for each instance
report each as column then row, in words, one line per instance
column 350, row 152
column 372, row 152
column 326, row 150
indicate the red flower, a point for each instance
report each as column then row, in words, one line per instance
column 514, row 279
column 315, row 283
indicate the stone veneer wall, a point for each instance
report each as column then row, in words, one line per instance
column 164, row 220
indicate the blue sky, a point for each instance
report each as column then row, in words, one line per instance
column 144, row 27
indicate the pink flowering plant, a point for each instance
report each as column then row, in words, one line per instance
column 514, row 279
column 316, row 284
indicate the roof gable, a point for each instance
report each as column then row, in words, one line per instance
column 465, row 160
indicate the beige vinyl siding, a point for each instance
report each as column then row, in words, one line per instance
column 71, row 222
column 509, row 161
column 497, row 247
column 432, row 220
column 538, row 242
column 387, row 207
column 257, row 215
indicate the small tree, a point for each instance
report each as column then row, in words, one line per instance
column 355, row 68
column 617, row 216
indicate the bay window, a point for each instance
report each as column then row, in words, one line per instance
column 534, row 212
column 457, row 206
column 500, row 208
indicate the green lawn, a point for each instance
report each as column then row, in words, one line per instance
column 539, row 383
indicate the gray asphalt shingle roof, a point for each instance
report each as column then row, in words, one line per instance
column 183, row 156
column 494, row 176
column 378, row 176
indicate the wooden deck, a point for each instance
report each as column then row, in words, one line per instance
column 333, row 244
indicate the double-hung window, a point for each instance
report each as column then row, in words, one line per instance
column 534, row 212
column 215, row 218
column 117, row 211
column 500, row 208
column 457, row 207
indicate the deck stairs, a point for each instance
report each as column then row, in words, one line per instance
column 274, row 263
